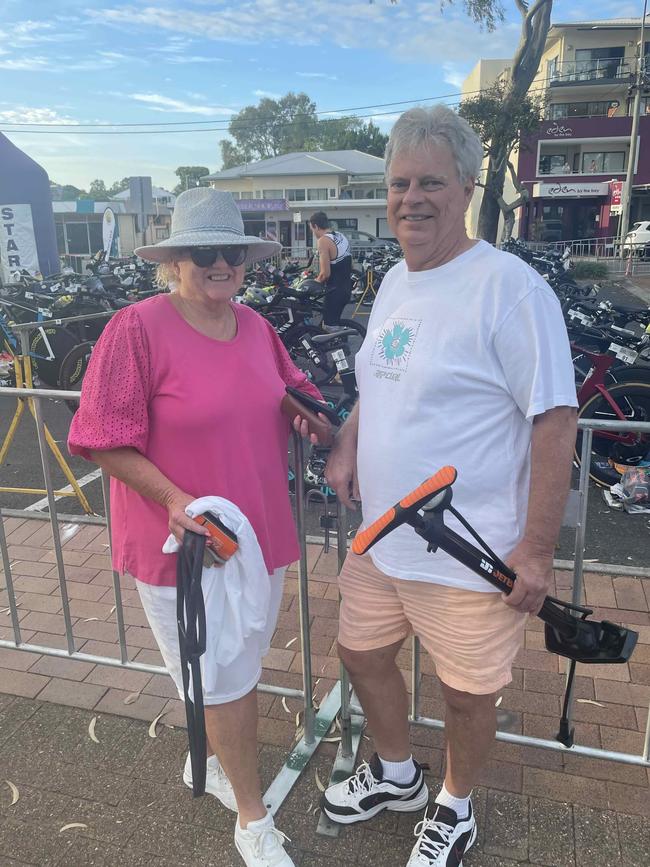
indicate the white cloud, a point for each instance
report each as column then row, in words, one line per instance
column 453, row 75
column 317, row 75
column 25, row 64
column 23, row 114
column 195, row 58
column 158, row 102
column 266, row 93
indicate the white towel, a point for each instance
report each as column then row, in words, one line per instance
column 237, row 594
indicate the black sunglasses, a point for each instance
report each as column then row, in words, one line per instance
column 205, row 257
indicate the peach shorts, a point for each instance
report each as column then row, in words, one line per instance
column 472, row 637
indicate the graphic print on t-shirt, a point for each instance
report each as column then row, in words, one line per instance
column 394, row 345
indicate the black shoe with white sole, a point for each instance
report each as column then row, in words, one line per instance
column 443, row 839
column 367, row 793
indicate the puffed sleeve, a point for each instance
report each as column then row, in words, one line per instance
column 290, row 374
column 113, row 411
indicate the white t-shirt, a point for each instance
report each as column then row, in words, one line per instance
column 456, row 363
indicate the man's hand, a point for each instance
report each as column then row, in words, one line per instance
column 341, row 474
column 534, row 576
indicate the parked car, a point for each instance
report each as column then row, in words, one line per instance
column 363, row 242
column 637, row 240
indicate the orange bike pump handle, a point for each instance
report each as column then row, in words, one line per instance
column 224, row 541
column 400, row 512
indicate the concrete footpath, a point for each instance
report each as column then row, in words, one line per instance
column 534, row 807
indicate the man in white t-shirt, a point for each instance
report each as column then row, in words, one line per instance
column 466, row 362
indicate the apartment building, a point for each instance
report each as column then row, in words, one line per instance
column 276, row 196
column 574, row 165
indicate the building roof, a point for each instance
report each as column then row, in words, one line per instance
column 87, row 206
column 307, row 163
column 614, row 23
column 156, row 192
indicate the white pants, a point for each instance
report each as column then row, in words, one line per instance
column 230, row 682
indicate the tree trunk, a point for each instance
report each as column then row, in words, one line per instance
column 488, row 217
column 536, row 21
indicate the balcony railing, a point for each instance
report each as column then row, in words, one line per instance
column 607, row 69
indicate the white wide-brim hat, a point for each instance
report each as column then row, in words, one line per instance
column 206, row 217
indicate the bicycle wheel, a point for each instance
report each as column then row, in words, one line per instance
column 73, row 370
column 48, row 347
column 632, row 400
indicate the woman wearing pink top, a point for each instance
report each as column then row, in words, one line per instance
column 182, row 400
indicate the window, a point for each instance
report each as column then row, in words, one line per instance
column 77, row 236
column 346, row 223
column 332, row 193
column 161, row 234
column 361, row 194
column 234, row 195
column 272, row 194
column 551, row 69
column 553, row 164
column 317, row 194
column 579, row 109
column 295, row 195
column 95, row 236
column 60, row 238
column 381, row 192
column 599, row 62
column 600, row 162
column 246, row 194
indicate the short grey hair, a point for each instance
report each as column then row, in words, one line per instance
column 437, row 125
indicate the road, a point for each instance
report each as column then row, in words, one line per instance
column 612, row 537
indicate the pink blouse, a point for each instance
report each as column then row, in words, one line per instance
column 205, row 412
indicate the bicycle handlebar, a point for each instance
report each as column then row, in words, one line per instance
column 399, row 513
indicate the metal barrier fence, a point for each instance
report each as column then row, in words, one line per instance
column 625, row 258
column 316, row 722
column 340, row 701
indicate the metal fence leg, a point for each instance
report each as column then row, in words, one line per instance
column 11, row 595
column 316, row 725
column 578, row 557
column 56, row 539
column 415, row 678
column 303, row 589
column 117, row 588
column 351, row 724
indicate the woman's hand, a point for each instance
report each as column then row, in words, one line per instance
column 179, row 522
column 301, row 426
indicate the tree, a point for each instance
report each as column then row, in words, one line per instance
column 66, row 192
column 280, row 126
column 351, row 133
column 190, row 176
column 535, row 23
column 98, row 191
column 501, row 133
column 119, row 187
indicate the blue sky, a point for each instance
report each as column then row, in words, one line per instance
column 74, row 62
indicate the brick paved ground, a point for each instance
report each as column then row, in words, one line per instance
column 534, row 807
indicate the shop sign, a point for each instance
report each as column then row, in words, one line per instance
column 615, row 197
column 558, row 130
column 569, row 190
column 17, row 241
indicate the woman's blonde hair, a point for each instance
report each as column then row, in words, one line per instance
column 167, row 275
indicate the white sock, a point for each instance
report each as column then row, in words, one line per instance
column 398, row 772
column 259, row 824
column 460, row 806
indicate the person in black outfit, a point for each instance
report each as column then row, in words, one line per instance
column 335, row 267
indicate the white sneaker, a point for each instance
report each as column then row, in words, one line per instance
column 443, row 839
column 261, row 844
column 367, row 793
column 216, row 782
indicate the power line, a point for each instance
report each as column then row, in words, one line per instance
column 74, row 128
